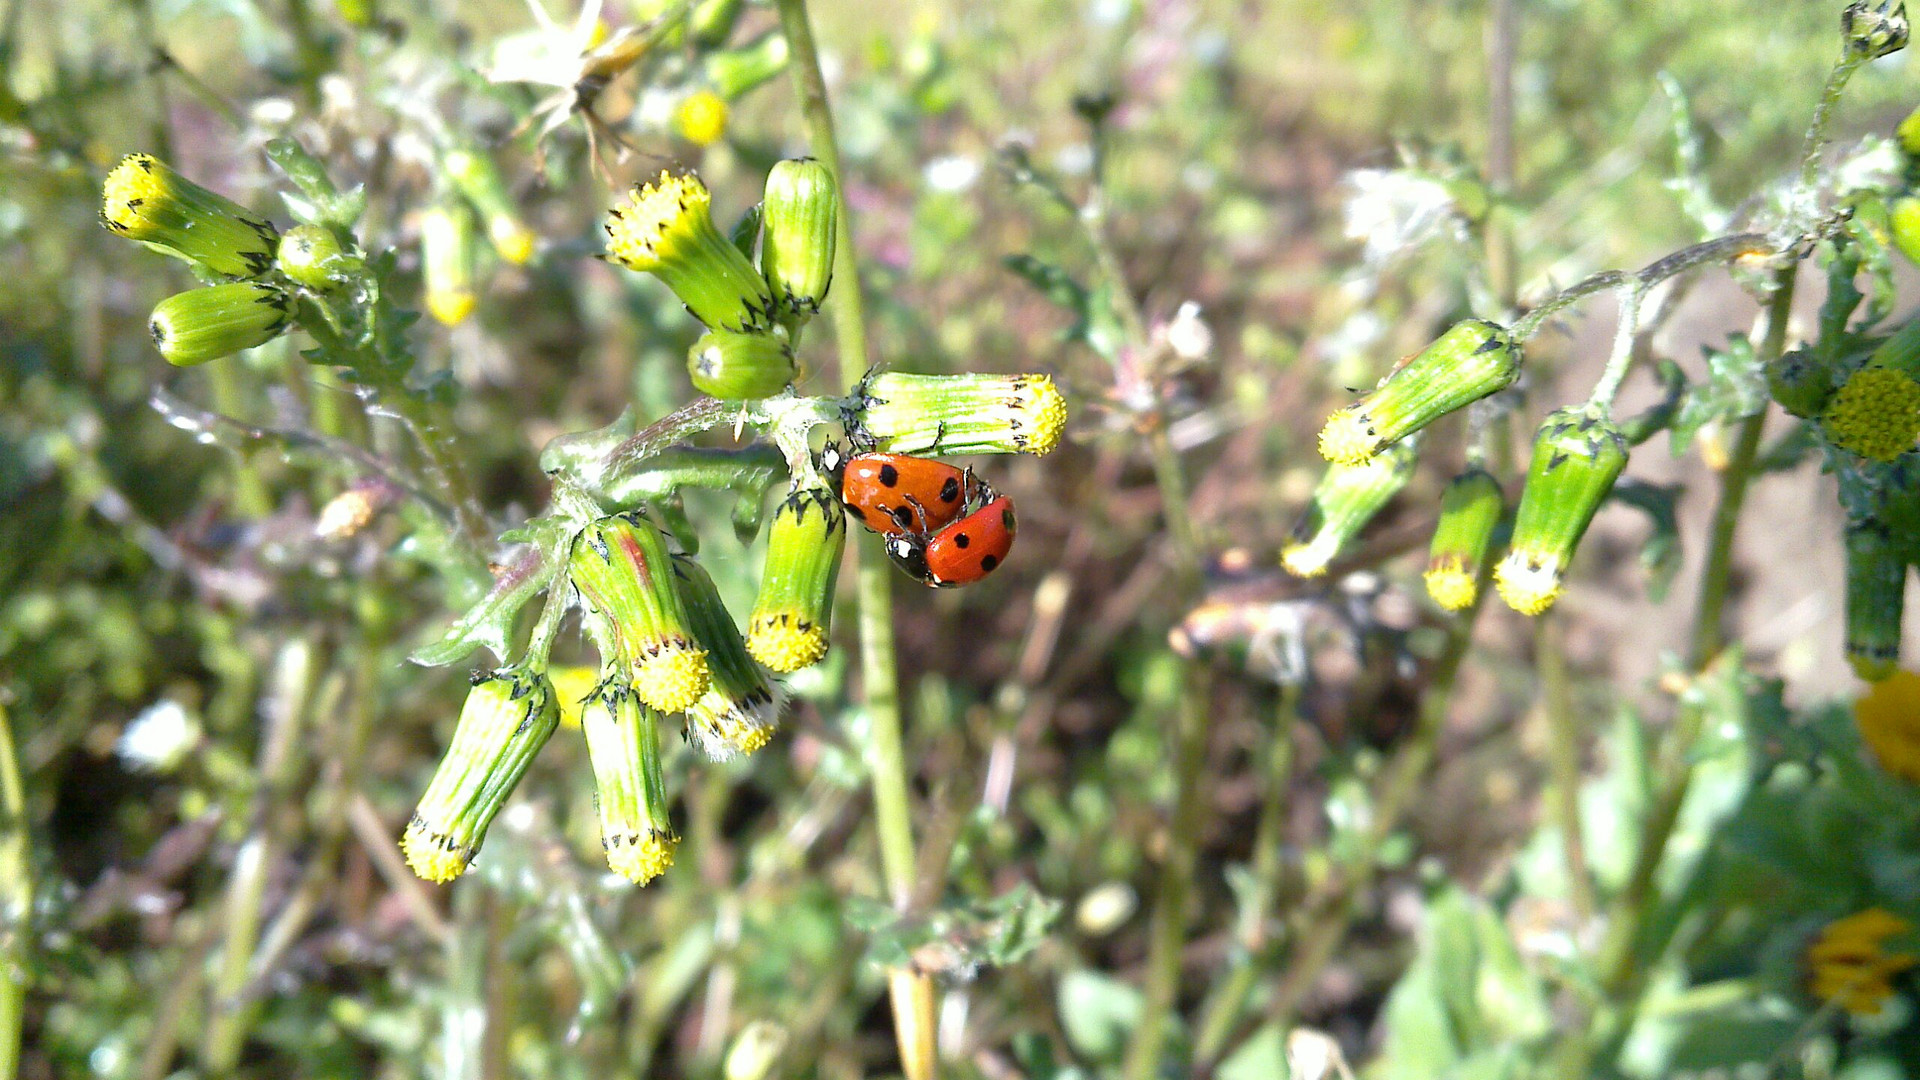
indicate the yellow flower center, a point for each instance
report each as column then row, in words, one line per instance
column 1528, row 581
column 511, row 239
column 702, row 118
column 655, row 219
column 1049, row 411
column 1310, row 558
column 640, row 856
column 1451, row 585
column 139, row 179
column 671, row 675
column 1876, row 414
column 1851, row 966
column 434, row 855
column 1348, row 438
column 786, row 641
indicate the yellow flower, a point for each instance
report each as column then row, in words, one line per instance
column 702, row 118
column 1876, row 414
column 1849, row 962
column 1889, row 719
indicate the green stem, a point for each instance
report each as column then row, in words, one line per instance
column 1563, row 751
column 1223, row 1012
column 16, row 901
column 1624, row 957
column 879, row 679
column 1620, row 360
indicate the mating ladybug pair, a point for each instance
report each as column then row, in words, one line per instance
column 944, row 526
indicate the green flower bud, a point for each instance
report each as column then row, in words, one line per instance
column 621, row 566
column 665, row 228
column 145, row 200
column 312, row 256
column 734, row 72
column 1876, row 596
column 623, row 744
column 741, row 367
column 1347, row 497
column 1903, row 221
column 741, row 709
column 1469, row 511
column 788, row 628
column 199, row 325
column 1577, row 456
column 1801, row 383
column 478, row 178
column 1470, row 361
column 509, row 715
column 958, row 414
column 798, row 213
column 1874, row 30
column 1907, row 137
column 446, row 262
column 712, row 21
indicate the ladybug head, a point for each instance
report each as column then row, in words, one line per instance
column 909, row 553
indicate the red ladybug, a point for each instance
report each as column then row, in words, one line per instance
column 961, row 553
column 896, row 493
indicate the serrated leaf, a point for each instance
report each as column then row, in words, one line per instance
column 489, row 623
column 1659, row 416
column 1735, row 388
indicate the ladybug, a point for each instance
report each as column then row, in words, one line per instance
column 897, row 493
column 961, row 552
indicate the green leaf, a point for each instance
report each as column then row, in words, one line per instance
column 1262, row 1057
column 1735, row 388
column 959, row 938
column 1660, row 554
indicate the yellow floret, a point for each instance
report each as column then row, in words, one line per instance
column 1348, row 438
column 1889, row 720
column 785, row 641
column 655, row 218
column 641, row 856
column 1850, row 964
column 138, row 180
column 1308, row 559
column 450, row 307
column 1451, row 585
column 1876, row 414
column 1528, row 582
column 702, row 118
column 671, row 675
column 1048, row 407
column 511, row 239
column 573, row 684
column 434, row 855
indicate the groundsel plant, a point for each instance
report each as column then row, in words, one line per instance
column 1856, row 386
column 616, row 544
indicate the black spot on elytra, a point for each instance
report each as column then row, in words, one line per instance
column 950, row 490
column 987, row 563
column 889, row 476
column 963, row 541
column 1006, row 520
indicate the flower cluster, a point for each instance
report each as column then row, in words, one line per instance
column 1850, row 964
column 1577, row 455
column 617, row 546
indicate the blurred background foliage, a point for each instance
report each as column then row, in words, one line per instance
column 220, row 738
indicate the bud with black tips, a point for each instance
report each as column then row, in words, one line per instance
column 630, row 789
column 1471, row 360
column 788, row 628
column 1469, row 512
column 741, row 367
column 1577, row 455
column 1801, row 382
column 1347, row 497
column 312, row 256
column 508, row 716
column 145, row 200
column 199, row 325
column 798, row 215
column 1876, row 598
column 666, row 228
column 623, row 571
column 741, row 709
column 1875, row 29
column 957, row 414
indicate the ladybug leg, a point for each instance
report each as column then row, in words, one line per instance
column 939, row 436
column 919, row 526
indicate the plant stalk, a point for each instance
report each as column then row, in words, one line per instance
column 16, row 901
column 911, row 993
